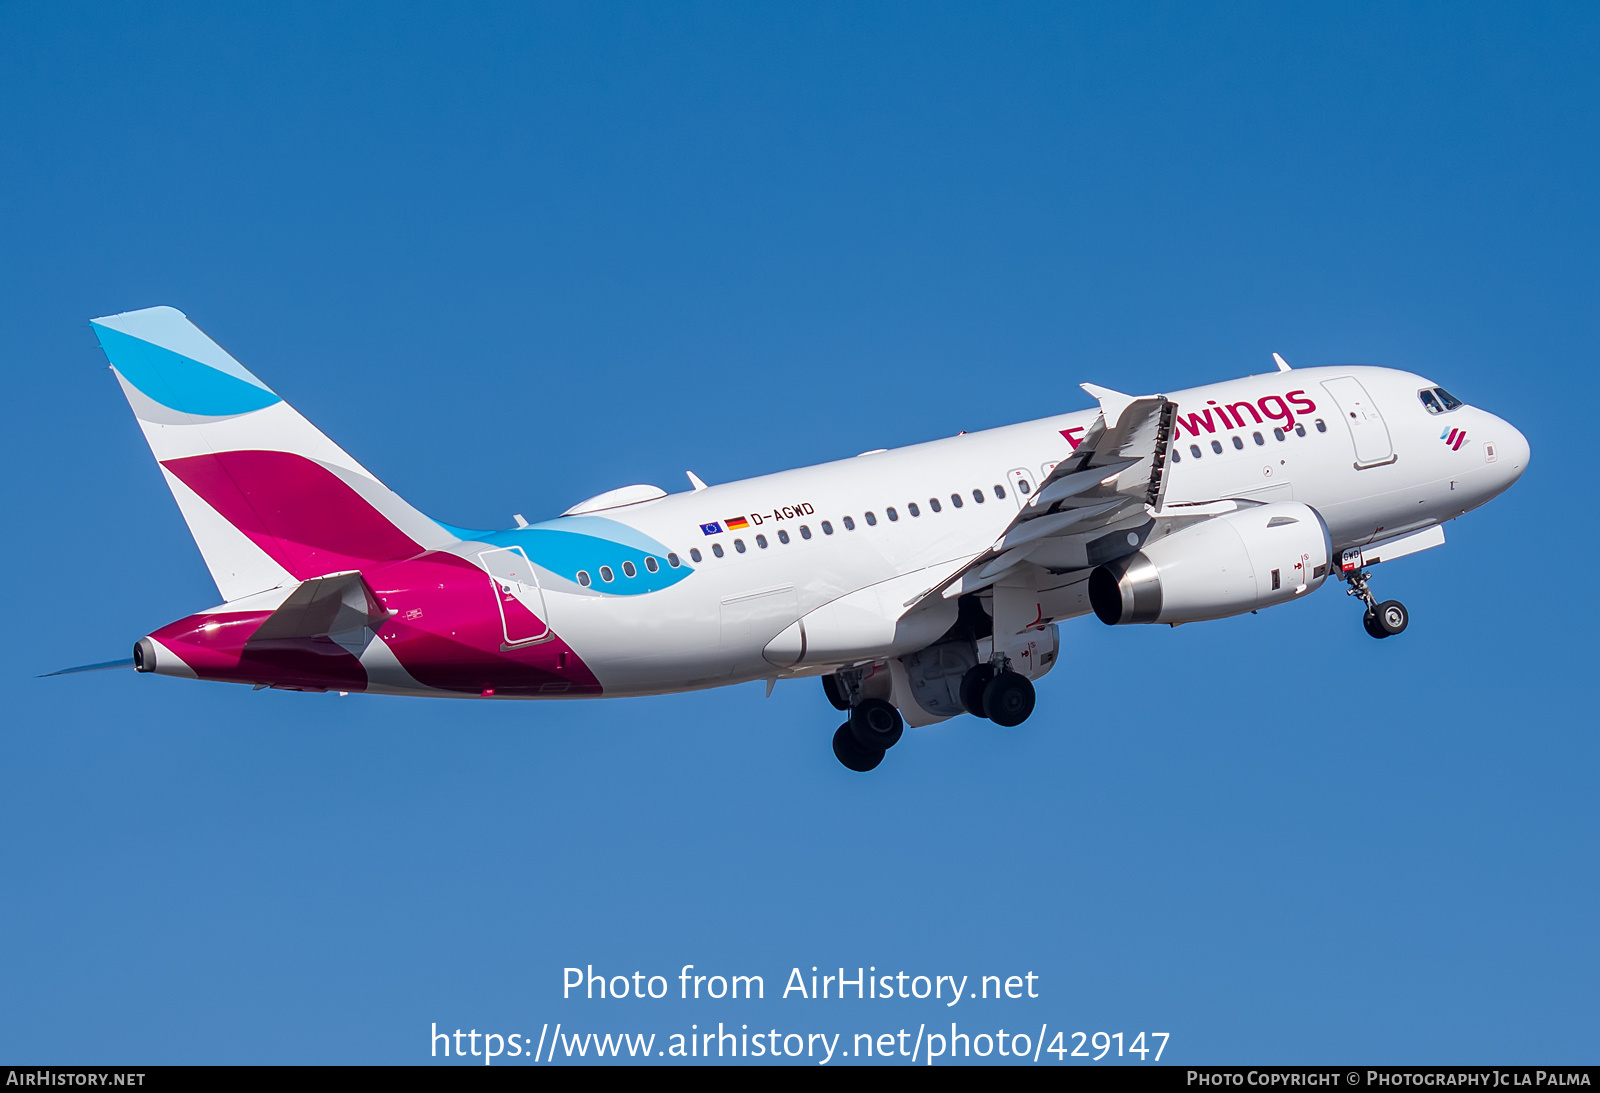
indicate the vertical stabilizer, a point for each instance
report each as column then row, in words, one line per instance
column 268, row 498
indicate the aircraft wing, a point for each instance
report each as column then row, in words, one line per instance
column 1118, row 468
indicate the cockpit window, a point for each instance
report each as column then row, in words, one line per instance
column 1438, row 400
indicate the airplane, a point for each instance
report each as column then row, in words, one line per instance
column 918, row 583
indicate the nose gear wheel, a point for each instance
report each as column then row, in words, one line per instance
column 1381, row 620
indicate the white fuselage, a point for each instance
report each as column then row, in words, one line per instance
column 1383, row 474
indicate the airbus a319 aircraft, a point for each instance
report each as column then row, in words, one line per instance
column 918, row 583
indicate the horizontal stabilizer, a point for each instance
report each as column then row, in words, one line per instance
column 323, row 607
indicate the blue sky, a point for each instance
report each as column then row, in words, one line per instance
column 515, row 256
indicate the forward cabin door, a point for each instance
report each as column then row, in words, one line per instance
column 517, row 594
column 1367, row 429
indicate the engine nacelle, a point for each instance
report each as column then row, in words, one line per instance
column 1250, row 559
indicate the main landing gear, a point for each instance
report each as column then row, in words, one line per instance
column 874, row 727
column 991, row 691
column 1004, row 697
column 1381, row 620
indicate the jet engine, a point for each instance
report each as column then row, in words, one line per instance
column 1243, row 561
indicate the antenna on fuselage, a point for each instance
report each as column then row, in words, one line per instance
column 1283, row 365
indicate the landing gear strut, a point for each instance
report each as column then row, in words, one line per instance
column 1381, row 620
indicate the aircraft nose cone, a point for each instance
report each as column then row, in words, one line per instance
column 1514, row 452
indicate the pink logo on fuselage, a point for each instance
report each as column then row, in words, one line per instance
column 1277, row 410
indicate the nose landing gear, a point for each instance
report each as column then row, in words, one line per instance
column 1381, row 620
column 1386, row 619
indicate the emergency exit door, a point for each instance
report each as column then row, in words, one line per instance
column 1021, row 485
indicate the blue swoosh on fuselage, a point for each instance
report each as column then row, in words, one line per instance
column 570, row 544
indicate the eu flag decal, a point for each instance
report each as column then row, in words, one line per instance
column 711, row 529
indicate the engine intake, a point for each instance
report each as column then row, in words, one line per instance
column 1246, row 560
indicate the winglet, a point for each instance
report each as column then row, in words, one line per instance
column 1283, row 365
column 1112, row 403
column 694, row 480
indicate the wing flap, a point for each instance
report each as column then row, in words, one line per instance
column 1118, row 468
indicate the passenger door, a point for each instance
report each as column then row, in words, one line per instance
column 517, row 595
column 1367, row 429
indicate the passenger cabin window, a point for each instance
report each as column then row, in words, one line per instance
column 1000, row 492
column 674, row 561
column 977, row 495
column 1322, row 426
column 1177, row 457
column 583, row 578
column 827, row 528
column 783, row 536
column 849, row 523
column 1022, row 484
column 695, row 555
column 893, row 515
column 651, row 564
column 872, row 521
column 1299, row 429
column 933, row 503
column 1216, row 446
column 716, row 548
column 1259, row 439
column 913, row 510
column 628, row 570
column 1278, row 433
column 955, row 499
column 761, row 541
column 738, row 544
column 606, row 574
column 1238, row 443
column 1194, row 450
